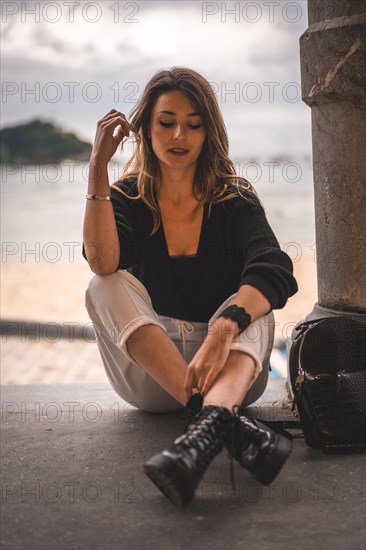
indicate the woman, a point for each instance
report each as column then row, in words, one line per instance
column 187, row 274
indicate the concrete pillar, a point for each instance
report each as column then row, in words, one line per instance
column 333, row 85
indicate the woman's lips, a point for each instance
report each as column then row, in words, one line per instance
column 178, row 152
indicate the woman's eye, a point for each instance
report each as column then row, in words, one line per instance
column 170, row 124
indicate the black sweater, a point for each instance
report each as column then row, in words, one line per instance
column 237, row 247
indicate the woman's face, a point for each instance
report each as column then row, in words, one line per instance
column 176, row 124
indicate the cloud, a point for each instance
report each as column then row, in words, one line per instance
column 119, row 56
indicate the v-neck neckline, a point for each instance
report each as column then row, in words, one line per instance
column 203, row 226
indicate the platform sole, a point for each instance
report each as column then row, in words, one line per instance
column 172, row 479
column 274, row 460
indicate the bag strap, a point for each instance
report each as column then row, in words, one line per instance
column 280, row 425
column 303, row 327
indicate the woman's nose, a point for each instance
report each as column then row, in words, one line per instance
column 179, row 132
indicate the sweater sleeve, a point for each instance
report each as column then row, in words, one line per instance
column 264, row 265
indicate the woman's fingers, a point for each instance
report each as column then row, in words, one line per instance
column 112, row 112
column 114, row 116
column 107, row 116
column 123, row 128
column 205, row 382
column 210, row 378
column 122, row 122
column 189, row 380
column 118, row 133
column 112, row 119
column 198, row 377
column 199, row 382
column 205, row 366
column 205, row 377
column 111, row 129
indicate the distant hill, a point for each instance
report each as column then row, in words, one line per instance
column 40, row 142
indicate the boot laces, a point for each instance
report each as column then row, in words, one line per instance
column 232, row 438
column 201, row 436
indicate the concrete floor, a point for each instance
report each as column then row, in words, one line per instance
column 72, row 478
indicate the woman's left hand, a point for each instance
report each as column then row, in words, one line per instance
column 211, row 357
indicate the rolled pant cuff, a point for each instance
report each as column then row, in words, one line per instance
column 258, row 363
column 132, row 326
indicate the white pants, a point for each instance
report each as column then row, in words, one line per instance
column 119, row 303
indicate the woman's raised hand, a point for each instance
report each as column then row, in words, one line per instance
column 105, row 143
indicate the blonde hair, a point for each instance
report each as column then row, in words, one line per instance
column 215, row 172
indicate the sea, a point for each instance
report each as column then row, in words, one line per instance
column 42, row 206
column 42, row 209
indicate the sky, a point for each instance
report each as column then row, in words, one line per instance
column 71, row 62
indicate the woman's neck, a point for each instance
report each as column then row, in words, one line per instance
column 176, row 186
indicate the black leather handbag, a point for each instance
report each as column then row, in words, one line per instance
column 327, row 371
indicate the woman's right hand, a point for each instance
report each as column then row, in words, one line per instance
column 105, row 144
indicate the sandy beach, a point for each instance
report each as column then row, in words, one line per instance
column 55, row 293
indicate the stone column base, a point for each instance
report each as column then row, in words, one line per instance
column 321, row 311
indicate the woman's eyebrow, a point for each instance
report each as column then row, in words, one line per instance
column 172, row 113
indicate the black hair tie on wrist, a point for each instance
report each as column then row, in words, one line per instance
column 238, row 314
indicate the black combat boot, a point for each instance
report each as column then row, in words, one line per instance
column 257, row 448
column 178, row 470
